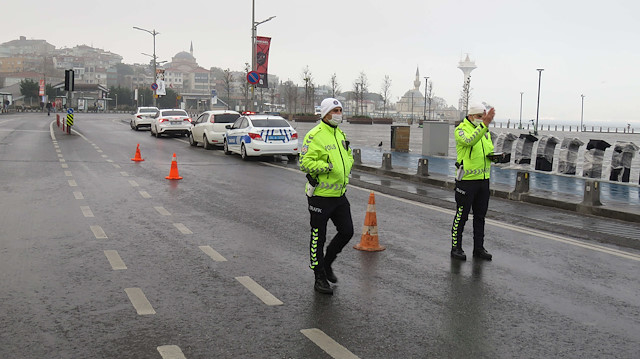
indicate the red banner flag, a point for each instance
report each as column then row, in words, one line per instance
column 262, row 60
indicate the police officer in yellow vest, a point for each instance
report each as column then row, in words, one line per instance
column 326, row 158
column 473, row 168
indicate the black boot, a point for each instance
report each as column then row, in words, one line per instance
column 321, row 285
column 331, row 277
column 458, row 253
column 482, row 254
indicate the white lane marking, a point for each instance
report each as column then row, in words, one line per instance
column 98, row 232
column 60, row 155
column 540, row 234
column 64, row 165
column 213, row 254
column 99, row 151
column 68, row 173
column 171, row 352
column 139, row 301
column 78, row 195
column 110, row 161
column 86, row 211
column 105, row 156
column 124, row 174
column 330, row 346
column 57, row 149
column 162, row 211
column 182, row 228
column 133, row 183
column 61, row 160
column 258, row 291
column 144, row 194
column 116, row 165
column 114, row 259
column 72, row 183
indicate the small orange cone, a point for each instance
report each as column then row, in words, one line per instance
column 369, row 239
column 137, row 157
column 173, row 173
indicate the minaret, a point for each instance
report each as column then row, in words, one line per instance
column 416, row 83
column 467, row 66
column 191, row 50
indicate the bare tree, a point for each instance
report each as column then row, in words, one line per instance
column 308, row 87
column 291, row 95
column 465, row 95
column 335, row 87
column 227, row 80
column 364, row 88
column 429, row 97
column 386, row 93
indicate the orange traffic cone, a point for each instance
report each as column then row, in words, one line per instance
column 369, row 239
column 173, row 173
column 137, row 157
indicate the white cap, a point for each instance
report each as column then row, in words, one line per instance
column 476, row 108
column 327, row 105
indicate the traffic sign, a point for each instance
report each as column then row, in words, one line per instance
column 154, row 86
column 253, row 77
column 69, row 110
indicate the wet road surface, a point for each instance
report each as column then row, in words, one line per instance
column 102, row 257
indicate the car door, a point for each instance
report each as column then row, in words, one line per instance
column 234, row 135
column 198, row 127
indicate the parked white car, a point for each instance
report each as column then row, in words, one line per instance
column 210, row 128
column 143, row 117
column 261, row 135
column 172, row 121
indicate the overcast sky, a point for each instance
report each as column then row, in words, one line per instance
column 585, row 47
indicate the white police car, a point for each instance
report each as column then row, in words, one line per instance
column 261, row 135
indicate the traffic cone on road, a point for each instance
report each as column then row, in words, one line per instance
column 173, row 173
column 137, row 157
column 369, row 239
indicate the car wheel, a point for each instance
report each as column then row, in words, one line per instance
column 292, row 158
column 226, row 148
column 131, row 124
column 205, row 143
column 243, row 153
column 151, row 131
column 192, row 141
column 157, row 134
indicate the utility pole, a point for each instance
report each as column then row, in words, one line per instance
column 153, row 33
column 426, row 88
column 535, row 130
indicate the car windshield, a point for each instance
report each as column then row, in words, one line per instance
column 272, row 122
column 227, row 118
column 148, row 110
column 174, row 113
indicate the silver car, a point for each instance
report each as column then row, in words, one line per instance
column 209, row 128
column 143, row 117
column 172, row 121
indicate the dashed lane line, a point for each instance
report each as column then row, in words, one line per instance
column 182, row 228
column 262, row 294
column 162, row 211
column 78, row 195
column 61, row 160
column 330, row 346
column 86, row 211
column 124, row 174
column 64, row 165
column 170, row 352
column 139, row 301
column 133, row 183
column 529, row 231
column 145, row 194
column 114, row 259
column 72, row 183
column 98, row 232
column 212, row 253
column 68, row 173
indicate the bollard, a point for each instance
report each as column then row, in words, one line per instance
column 591, row 193
column 522, row 182
column 423, row 167
column 58, row 119
column 386, row 161
column 357, row 156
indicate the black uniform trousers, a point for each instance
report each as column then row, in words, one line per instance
column 470, row 195
column 323, row 209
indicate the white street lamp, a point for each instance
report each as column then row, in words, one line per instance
column 153, row 33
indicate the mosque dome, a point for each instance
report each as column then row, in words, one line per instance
column 183, row 55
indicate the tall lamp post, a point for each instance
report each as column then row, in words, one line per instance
column 153, row 33
column 254, row 33
column 582, row 113
column 535, row 130
column 426, row 88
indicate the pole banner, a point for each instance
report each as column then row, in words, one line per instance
column 262, row 59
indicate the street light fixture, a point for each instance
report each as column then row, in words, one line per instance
column 535, row 129
column 153, row 33
column 521, row 93
column 426, row 88
column 254, row 31
column 582, row 114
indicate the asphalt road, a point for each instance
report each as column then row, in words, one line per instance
column 102, row 257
